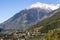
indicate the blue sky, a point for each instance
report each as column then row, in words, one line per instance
column 8, row 8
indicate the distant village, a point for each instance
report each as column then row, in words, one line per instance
column 17, row 35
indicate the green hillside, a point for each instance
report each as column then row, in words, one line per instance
column 51, row 23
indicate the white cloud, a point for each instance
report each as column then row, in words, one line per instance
column 43, row 5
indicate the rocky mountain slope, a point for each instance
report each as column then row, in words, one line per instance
column 29, row 15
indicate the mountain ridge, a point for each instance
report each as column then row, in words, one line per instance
column 25, row 17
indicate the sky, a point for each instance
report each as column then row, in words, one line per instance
column 8, row 8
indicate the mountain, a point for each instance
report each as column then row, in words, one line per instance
column 48, row 20
column 28, row 16
column 46, row 29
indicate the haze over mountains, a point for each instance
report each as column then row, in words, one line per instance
column 29, row 15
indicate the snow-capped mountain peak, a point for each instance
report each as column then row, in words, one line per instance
column 44, row 6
